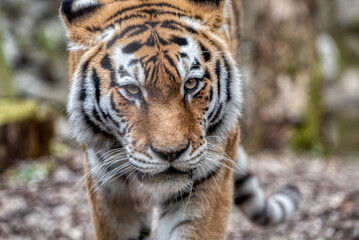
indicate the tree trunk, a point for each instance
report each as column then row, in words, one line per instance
column 25, row 131
column 284, row 76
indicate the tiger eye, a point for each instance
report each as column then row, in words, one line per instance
column 191, row 84
column 132, row 89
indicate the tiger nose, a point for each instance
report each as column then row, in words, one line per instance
column 170, row 154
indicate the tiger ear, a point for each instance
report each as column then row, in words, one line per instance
column 80, row 18
column 73, row 10
column 214, row 12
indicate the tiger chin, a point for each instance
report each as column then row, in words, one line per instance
column 155, row 99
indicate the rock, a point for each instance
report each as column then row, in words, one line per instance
column 343, row 95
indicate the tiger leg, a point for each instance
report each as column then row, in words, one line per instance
column 203, row 211
column 202, row 214
column 116, row 217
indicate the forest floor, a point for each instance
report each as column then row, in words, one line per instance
column 46, row 199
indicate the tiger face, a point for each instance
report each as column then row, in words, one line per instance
column 156, row 80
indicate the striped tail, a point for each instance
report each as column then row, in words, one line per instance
column 249, row 197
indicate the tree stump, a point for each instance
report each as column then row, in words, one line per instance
column 26, row 129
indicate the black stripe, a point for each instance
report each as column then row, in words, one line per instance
column 156, row 13
column 113, row 104
column 161, row 40
column 152, row 59
column 179, row 24
column 292, row 192
column 83, row 93
column 138, row 32
column 145, row 232
column 118, row 36
column 83, row 96
column 179, row 40
column 167, row 24
column 170, row 26
column 131, row 28
column 66, row 9
column 218, row 74
column 96, row 115
column 132, row 47
column 91, row 124
column 199, row 91
column 117, row 124
column 241, row 198
column 133, row 62
column 153, row 24
column 195, row 66
column 170, row 60
column 183, row 55
column 283, row 217
column 214, row 127
column 106, row 62
column 125, row 130
column 97, row 84
column 216, row 2
column 229, row 79
column 239, row 182
column 205, row 53
column 262, row 217
column 143, row 5
column 93, row 29
column 215, row 114
column 207, row 75
column 153, row 73
column 155, row 77
column 211, row 94
column 170, row 75
column 123, row 72
column 96, row 81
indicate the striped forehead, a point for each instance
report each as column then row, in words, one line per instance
column 141, row 50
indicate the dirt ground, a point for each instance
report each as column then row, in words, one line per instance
column 46, row 199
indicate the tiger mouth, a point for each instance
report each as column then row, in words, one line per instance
column 170, row 172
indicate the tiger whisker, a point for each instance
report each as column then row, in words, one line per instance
column 105, row 178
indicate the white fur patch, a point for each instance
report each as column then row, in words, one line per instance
column 72, row 46
column 77, row 5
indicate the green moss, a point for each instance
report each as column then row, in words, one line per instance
column 292, row 67
column 346, row 56
column 254, row 140
column 12, row 110
column 6, row 85
column 45, row 42
column 307, row 136
column 30, row 172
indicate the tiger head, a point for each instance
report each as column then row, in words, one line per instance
column 155, row 79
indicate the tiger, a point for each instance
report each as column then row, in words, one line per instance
column 155, row 99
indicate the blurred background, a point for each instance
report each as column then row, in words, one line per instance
column 300, row 66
